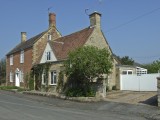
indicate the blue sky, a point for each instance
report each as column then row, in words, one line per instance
column 132, row 27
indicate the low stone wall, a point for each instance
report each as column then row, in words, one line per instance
column 55, row 95
column 158, row 87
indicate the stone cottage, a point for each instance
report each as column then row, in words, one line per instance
column 50, row 47
column 57, row 51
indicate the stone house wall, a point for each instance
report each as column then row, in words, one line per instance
column 58, row 66
column 39, row 46
column 97, row 39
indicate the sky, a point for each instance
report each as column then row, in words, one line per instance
column 131, row 27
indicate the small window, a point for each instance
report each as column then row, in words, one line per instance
column 49, row 55
column 22, row 57
column 49, row 37
column 21, row 76
column 53, row 78
column 130, row 72
column 124, row 72
column 11, row 59
column 127, row 72
column 11, row 77
column 43, row 79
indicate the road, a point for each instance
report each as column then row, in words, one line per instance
column 15, row 106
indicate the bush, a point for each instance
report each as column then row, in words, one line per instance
column 72, row 92
column 80, row 92
column 31, row 84
column 8, row 87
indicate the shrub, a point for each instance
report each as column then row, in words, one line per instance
column 8, row 87
column 31, row 84
column 60, row 84
column 80, row 92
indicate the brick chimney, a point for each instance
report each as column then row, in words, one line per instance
column 23, row 36
column 95, row 19
column 52, row 19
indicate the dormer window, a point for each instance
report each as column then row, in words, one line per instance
column 49, row 37
column 48, row 56
column 22, row 57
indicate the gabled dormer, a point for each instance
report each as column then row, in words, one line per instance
column 48, row 55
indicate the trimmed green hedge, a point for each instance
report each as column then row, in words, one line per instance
column 8, row 87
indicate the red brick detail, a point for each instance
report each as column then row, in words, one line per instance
column 25, row 67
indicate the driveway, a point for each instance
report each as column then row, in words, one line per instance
column 131, row 97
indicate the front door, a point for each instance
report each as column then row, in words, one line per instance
column 17, row 82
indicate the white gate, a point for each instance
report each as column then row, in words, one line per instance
column 146, row 82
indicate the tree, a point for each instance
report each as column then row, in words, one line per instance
column 153, row 67
column 126, row 60
column 84, row 65
column 2, row 71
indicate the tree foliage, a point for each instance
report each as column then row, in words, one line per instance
column 125, row 60
column 85, row 64
column 153, row 67
column 2, row 70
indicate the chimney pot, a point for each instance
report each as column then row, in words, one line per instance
column 52, row 19
column 23, row 36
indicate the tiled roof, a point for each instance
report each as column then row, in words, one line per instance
column 63, row 45
column 24, row 45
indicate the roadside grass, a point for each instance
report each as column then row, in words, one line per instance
column 11, row 88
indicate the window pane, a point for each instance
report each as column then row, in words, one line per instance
column 124, row 72
column 55, row 78
column 11, row 77
column 129, row 72
column 48, row 55
column 22, row 57
column 52, row 77
column 43, row 78
column 11, row 60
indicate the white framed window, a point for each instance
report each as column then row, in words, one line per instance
column 53, row 77
column 49, row 37
column 22, row 57
column 11, row 77
column 48, row 56
column 11, row 59
column 21, row 76
column 141, row 71
column 130, row 72
column 127, row 72
column 43, row 79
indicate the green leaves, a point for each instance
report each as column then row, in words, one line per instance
column 88, row 62
column 83, row 66
column 153, row 67
column 126, row 60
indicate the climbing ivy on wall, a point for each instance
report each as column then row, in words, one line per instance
column 37, row 72
column 60, row 83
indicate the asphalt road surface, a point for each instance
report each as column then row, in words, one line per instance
column 22, row 107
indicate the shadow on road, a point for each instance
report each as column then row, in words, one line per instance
column 151, row 101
